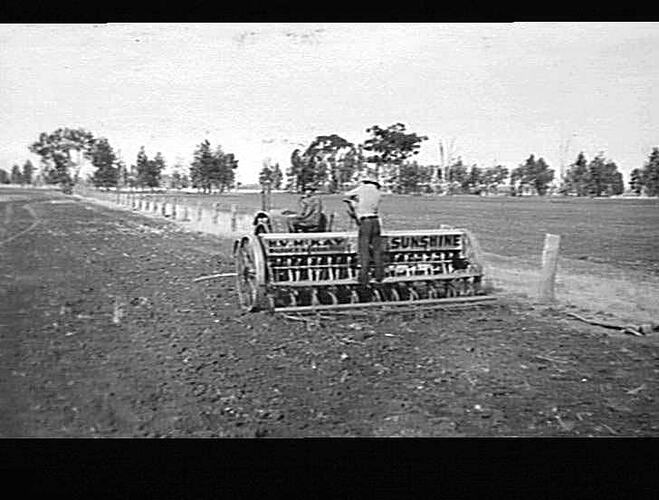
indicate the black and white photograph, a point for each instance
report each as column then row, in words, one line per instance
column 329, row 230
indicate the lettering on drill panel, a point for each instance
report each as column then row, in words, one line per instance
column 289, row 246
column 424, row 242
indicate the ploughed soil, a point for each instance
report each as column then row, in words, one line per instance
column 104, row 333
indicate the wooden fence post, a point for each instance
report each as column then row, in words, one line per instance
column 549, row 265
column 233, row 217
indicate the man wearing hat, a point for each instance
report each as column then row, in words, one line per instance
column 365, row 199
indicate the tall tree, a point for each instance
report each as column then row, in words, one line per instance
column 636, row 181
column 604, row 177
column 474, row 180
column 179, row 179
column 457, row 176
column 265, row 175
column 534, row 173
column 414, row 178
column 28, row 170
column 212, row 168
column 104, row 159
column 494, row 177
column 277, row 176
column 155, row 170
column 650, row 177
column 327, row 154
column 201, row 167
column 4, row 177
column 577, row 177
column 227, row 165
column 142, row 169
column 301, row 172
column 16, row 176
column 391, row 146
column 132, row 178
column 56, row 150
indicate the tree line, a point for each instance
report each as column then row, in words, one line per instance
column 331, row 163
column 62, row 153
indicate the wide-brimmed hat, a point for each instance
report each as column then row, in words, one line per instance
column 372, row 180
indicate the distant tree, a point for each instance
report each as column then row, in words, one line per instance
column 179, row 179
column 56, row 151
column 302, row 172
column 104, row 159
column 636, row 181
column 211, row 169
column 389, row 147
column 123, row 174
column 132, row 177
column 16, row 175
column 436, row 176
column 4, row 177
column 277, row 176
column 577, row 177
column 265, row 175
column 175, row 180
column 650, row 174
column 141, row 171
column 155, row 169
column 457, row 176
column 617, row 185
column 494, row 177
column 201, row 167
column 473, row 181
column 605, row 177
column 413, row 178
column 225, row 165
column 28, row 170
column 326, row 157
column 533, row 173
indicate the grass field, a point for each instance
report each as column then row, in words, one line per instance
column 622, row 233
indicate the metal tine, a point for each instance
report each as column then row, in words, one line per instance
column 314, row 297
column 330, row 268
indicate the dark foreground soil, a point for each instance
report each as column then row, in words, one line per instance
column 104, row 333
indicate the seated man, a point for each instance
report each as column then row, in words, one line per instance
column 310, row 216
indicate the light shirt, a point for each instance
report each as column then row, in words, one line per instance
column 368, row 199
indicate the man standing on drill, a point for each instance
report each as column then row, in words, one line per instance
column 365, row 199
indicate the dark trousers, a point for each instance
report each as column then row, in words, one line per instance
column 369, row 241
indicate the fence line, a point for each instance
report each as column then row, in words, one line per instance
column 216, row 219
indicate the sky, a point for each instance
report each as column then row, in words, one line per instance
column 497, row 92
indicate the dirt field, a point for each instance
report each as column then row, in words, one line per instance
column 104, row 333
